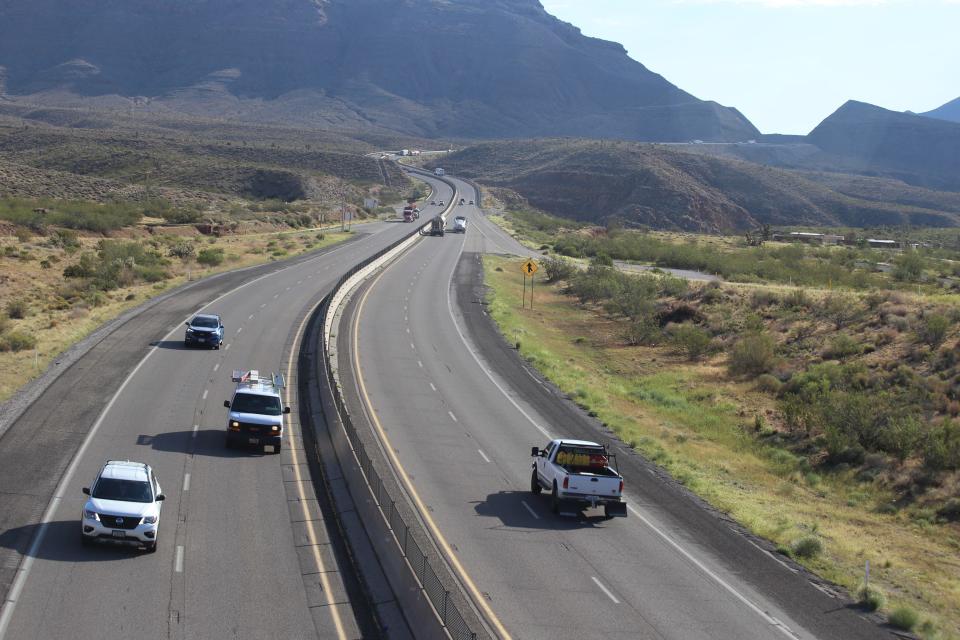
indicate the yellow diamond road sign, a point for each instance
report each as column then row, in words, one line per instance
column 530, row 267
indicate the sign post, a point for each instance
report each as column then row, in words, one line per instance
column 529, row 268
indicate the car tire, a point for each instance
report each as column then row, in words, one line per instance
column 277, row 447
column 606, row 513
column 535, row 487
column 554, row 500
column 150, row 547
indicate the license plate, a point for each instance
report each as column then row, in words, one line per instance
column 119, row 534
column 254, row 440
column 269, row 448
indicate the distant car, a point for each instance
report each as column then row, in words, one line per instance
column 124, row 506
column 204, row 330
column 460, row 224
column 471, row 202
column 441, row 203
column 433, row 202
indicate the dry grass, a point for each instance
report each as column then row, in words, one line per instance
column 700, row 425
column 56, row 329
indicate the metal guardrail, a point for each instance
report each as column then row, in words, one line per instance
column 417, row 560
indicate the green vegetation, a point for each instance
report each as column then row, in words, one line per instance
column 825, row 421
column 88, row 216
column 904, row 618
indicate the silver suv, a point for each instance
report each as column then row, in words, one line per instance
column 124, row 506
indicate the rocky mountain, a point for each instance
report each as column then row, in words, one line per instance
column 438, row 68
column 867, row 139
column 667, row 187
column 949, row 111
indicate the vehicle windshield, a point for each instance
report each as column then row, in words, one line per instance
column 252, row 403
column 461, row 219
column 123, row 490
column 205, row 323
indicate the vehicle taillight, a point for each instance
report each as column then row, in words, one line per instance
column 621, row 486
column 566, row 482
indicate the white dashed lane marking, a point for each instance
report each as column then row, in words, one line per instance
column 605, row 590
column 178, row 562
column 216, row 367
column 452, row 417
column 530, row 509
column 433, row 387
column 205, row 392
column 483, row 455
column 186, row 482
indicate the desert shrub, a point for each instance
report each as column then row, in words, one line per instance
column 768, row 383
column 153, row 273
column 23, row 234
column 941, row 447
column 182, row 250
column 601, row 260
column 796, row 299
column 840, row 310
column 908, row 266
column 904, row 618
column 842, row 346
column 642, row 332
column 17, row 341
column 763, row 298
column 932, row 328
column 17, row 309
column 210, row 257
column 752, row 355
column 690, row 340
column 871, row 598
column 807, row 547
column 558, row 269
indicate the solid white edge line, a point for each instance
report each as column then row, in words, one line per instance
column 483, row 368
column 706, row 570
column 605, row 590
column 483, row 455
column 779, row 625
column 8, row 606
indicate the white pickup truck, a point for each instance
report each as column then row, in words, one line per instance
column 578, row 474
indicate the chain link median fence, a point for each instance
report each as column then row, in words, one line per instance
column 419, row 563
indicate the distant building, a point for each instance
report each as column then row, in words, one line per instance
column 882, row 244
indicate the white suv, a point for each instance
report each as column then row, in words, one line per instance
column 124, row 505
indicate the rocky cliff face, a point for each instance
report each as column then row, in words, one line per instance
column 916, row 149
column 468, row 68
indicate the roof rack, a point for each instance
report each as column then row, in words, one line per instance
column 252, row 377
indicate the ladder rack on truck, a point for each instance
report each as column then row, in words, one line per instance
column 252, row 378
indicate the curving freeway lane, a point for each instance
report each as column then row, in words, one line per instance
column 244, row 549
column 460, row 411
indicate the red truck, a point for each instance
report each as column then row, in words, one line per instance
column 411, row 212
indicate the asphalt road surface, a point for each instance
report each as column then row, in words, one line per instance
column 461, row 414
column 243, row 547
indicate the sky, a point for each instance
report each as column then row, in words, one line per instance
column 788, row 64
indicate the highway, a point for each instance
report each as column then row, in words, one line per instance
column 245, row 550
column 458, row 412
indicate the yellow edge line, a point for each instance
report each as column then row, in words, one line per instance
column 478, row 598
column 311, row 533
